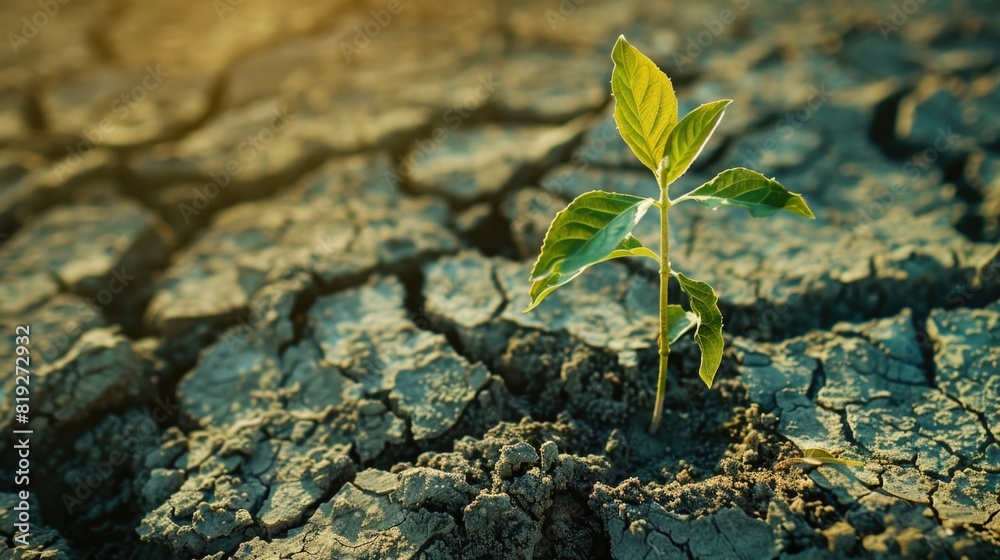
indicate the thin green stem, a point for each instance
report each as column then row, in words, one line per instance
column 664, row 342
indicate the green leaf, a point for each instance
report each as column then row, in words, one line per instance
column 595, row 227
column 705, row 305
column 680, row 321
column 688, row 138
column 751, row 190
column 817, row 457
column 645, row 104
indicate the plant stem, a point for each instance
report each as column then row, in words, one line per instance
column 664, row 341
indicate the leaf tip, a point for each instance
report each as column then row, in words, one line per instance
column 803, row 208
column 619, row 44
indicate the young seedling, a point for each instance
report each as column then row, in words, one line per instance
column 597, row 226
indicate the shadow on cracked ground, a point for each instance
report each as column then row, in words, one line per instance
column 273, row 258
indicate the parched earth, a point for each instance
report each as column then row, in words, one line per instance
column 273, row 260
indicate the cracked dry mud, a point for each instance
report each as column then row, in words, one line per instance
column 275, row 303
